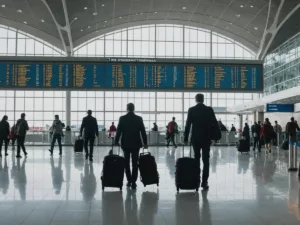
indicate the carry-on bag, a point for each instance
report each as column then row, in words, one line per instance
column 78, row 146
column 187, row 175
column 243, row 146
column 148, row 169
column 285, row 145
column 113, row 170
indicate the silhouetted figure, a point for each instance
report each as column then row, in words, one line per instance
column 90, row 127
column 57, row 127
column 20, row 178
column 172, row 131
column 4, row 177
column 155, row 127
column 21, row 130
column 4, row 135
column 131, row 128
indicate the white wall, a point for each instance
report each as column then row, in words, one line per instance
column 282, row 118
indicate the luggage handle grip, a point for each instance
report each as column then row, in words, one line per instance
column 190, row 150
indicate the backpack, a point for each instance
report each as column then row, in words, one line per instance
column 172, row 127
column 21, row 128
column 58, row 127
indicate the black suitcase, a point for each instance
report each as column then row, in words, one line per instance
column 285, row 145
column 78, row 146
column 243, row 146
column 148, row 169
column 113, row 171
column 187, row 175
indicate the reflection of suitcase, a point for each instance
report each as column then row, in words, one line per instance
column 78, row 146
column 243, row 146
column 148, row 169
column 187, row 175
column 113, row 171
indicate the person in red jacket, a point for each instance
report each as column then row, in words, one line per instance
column 267, row 134
column 112, row 130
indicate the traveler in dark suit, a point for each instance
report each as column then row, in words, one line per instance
column 131, row 127
column 4, row 134
column 21, row 130
column 90, row 126
column 201, row 118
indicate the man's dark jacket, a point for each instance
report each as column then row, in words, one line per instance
column 90, row 126
column 131, row 128
column 203, row 121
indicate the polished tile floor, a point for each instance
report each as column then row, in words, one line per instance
column 244, row 190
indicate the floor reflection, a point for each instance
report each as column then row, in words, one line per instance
column 88, row 182
column 4, row 177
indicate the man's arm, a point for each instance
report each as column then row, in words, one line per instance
column 143, row 132
column 188, row 126
column 119, row 131
column 96, row 127
column 82, row 126
column 26, row 126
column 297, row 127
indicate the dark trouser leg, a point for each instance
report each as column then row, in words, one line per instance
column 127, row 165
column 134, row 161
column 168, row 141
column 92, row 141
column 53, row 142
column 59, row 143
column 205, row 160
column 22, row 144
column 19, row 139
column 13, row 141
column 86, row 142
column 173, row 140
column 254, row 143
column 6, row 145
column 197, row 153
column 1, row 143
column 259, row 144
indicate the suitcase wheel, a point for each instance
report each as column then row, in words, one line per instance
column 121, row 188
column 177, row 189
column 102, row 188
column 157, row 184
column 197, row 189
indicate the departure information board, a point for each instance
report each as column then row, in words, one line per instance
column 131, row 75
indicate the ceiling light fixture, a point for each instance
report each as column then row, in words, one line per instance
column 85, row 8
column 25, row 22
column 95, row 14
column 141, row 13
column 255, row 28
column 81, row 30
column 105, row 21
column 230, row 23
column 89, row 26
column 19, row 11
column 3, row 6
column 242, row 6
column 76, row 18
column 103, row 5
column 238, row 15
column 184, row 8
column 104, row 26
column 251, row 6
column 42, row 20
column 155, row 12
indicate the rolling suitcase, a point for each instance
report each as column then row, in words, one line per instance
column 243, row 146
column 187, row 175
column 285, row 145
column 148, row 169
column 78, row 146
column 113, row 171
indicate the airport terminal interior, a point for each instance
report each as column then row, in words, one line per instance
column 65, row 57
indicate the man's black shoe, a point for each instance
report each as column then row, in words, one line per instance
column 6, row 154
column 91, row 159
column 205, row 186
column 86, row 156
column 128, row 184
column 18, row 156
column 51, row 152
column 133, row 186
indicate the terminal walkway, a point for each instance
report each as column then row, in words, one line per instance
column 244, row 190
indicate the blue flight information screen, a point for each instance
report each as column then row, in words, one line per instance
column 118, row 75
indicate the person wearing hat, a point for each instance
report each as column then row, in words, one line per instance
column 155, row 127
column 21, row 130
column 90, row 126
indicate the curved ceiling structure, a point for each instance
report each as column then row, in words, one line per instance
column 68, row 23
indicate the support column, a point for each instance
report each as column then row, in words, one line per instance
column 68, row 108
column 254, row 117
column 210, row 99
column 155, row 107
column 260, row 116
column 240, row 121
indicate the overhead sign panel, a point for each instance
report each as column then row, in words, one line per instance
column 280, row 108
column 151, row 75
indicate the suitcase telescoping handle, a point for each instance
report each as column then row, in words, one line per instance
column 145, row 153
column 112, row 146
column 190, row 150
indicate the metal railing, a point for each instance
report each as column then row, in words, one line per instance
column 155, row 138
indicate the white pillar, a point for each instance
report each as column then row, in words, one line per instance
column 68, row 108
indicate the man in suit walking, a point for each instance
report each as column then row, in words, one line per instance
column 90, row 126
column 202, row 119
column 131, row 127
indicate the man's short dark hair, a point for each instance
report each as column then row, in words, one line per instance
column 23, row 115
column 199, row 98
column 57, row 117
column 276, row 121
column 130, row 107
column 292, row 119
column 173, row 118
column 89, row 112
